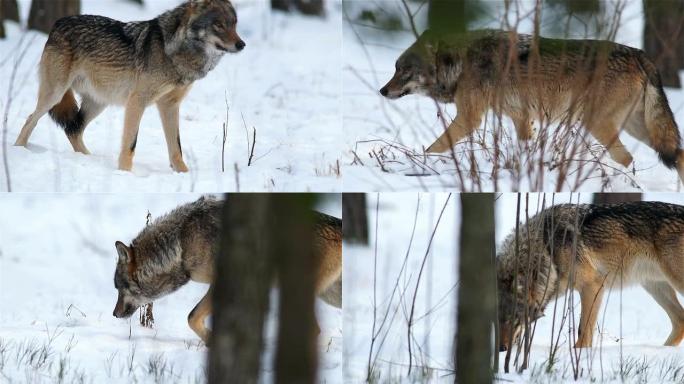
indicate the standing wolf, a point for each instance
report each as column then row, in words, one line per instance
column 181, row 246
column 601, row 84
column 591, row 248
column 133, row 64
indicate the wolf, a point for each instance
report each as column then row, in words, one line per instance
column 181, row 246
column 132, row 64
column 601, row 84
column 591, row 248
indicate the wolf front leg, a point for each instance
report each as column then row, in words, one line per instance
column 591, row 296
column 666, row 297
column 135, row 107
column 169, row 111
column 469, row 117
column 198, row 315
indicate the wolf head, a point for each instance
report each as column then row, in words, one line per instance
column 426, row 70
column 209, row 25
column 524, row 286
column 130, row 293
column 215, row 22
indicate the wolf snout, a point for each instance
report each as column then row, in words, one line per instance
column 240, row 45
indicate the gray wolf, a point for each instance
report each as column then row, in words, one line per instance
column 132, row 64
column 592, row 248
column 181, row 246
column 601, row 84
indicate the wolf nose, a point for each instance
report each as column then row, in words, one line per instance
column 384, row 91
column 503, row 348
column 240, row 45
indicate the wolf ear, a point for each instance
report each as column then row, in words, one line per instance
column 123, row 250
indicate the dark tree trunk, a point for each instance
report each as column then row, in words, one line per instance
column 310, row 7
column 447, row 16
column 612, row 198
column 664, row 38
column 477, row 290
column 44, row 13
column 10, row 10
column 307, row 7
column 240, row 292
column 2, row 23
column 293, row 234
column 354, row 218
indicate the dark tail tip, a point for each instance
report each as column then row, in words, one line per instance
column 67, row 115
column 670, row 158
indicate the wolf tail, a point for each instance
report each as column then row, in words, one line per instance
column 661, row 127
column 67, row 114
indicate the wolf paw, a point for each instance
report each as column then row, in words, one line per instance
column 180, row 167
column 437, row 147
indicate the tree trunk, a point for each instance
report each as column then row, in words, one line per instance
column 44, row 13
column 10, row 10
column 355, row 218
column 664, row 38
column 477, row 290
column 310, row 7
column 296, row 263
column 241, row 290
column 612, row 198
column 447, row 16
column 307, row 7
column 2, row 23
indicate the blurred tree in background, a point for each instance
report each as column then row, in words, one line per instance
column 612, row 198
column 9, row 10
column 354, row 218
column 664, row 38
column 240, row 292
column 44, row 13
column 307, row 7
column 266, row 238
column 476, row 312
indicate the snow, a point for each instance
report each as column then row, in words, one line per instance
column 280, row 85
column 633, row 326
column 392, row 130
column 57, row 262
column 434, row 318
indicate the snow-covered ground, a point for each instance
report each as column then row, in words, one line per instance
column 385, row 290
column 384, row 138
column 281, row 85
column 57, row 262
column 633, row 326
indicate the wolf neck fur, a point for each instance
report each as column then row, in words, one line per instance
column 188, row 56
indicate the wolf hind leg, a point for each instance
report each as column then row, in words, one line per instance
column 198, row 315
column 49, row 95
column 666, row 297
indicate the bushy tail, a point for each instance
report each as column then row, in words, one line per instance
column 662, row 128
column 68, row 115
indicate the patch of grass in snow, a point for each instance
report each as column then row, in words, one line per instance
column 32, row 361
